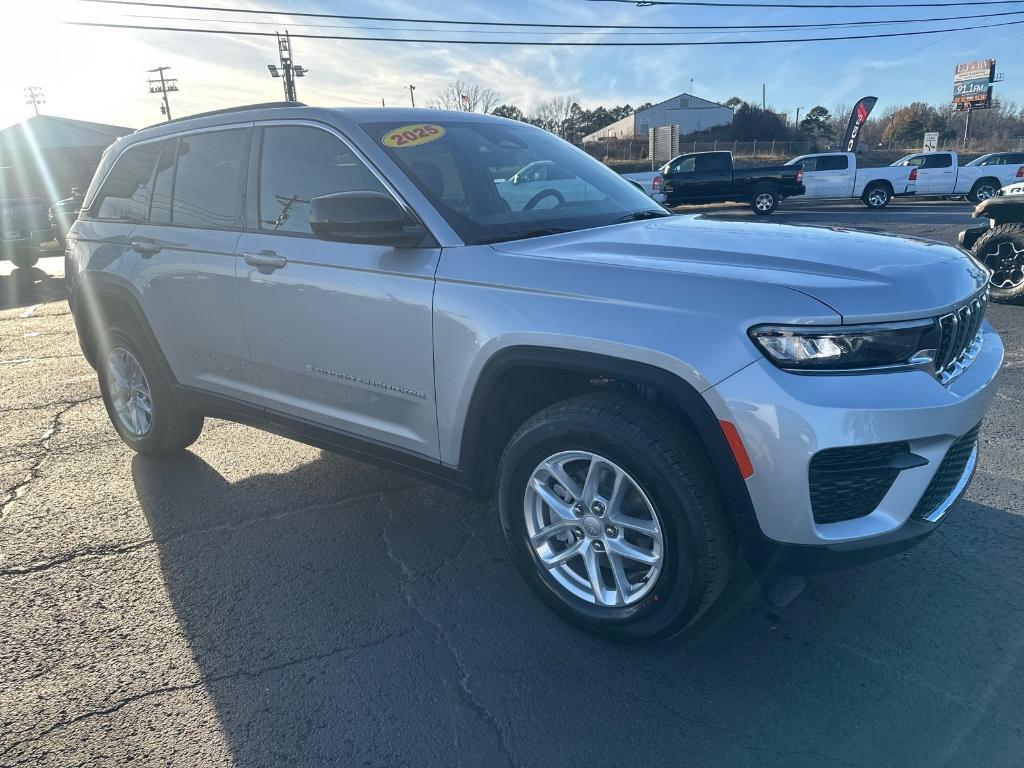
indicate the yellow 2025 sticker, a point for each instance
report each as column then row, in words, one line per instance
column 412, row 135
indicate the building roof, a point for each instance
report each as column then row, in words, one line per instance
column 49, row 132
column 689, row 96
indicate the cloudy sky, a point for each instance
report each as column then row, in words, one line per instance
column 100, row 74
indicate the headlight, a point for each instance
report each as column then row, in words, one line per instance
column 848, row 348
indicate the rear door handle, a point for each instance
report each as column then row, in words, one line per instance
column 145, row 248
column 265, row 260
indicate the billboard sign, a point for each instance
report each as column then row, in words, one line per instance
column 972, row 84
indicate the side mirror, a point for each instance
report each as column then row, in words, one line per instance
column 363, row 217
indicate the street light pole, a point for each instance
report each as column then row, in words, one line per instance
column 412, row 97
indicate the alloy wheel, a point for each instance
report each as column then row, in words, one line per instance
column 1006, row 261
column 877, row 198
column 130, row 392
column 764, row 201
column 593, row 529
column 985, row 192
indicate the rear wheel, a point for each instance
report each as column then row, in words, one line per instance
column 612, row 519
column 983, row 189
column 877, row 195
column 1001, row 249
column 139, row 400
column 764, row 200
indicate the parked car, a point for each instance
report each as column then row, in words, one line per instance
column 999, row 245
column 642, row 391
column 711, row 177
column 63, row 213
column 24, row 227
column 835, row 175
column 939, row 174
column 541, row 183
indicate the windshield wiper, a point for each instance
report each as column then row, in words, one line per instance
column 525, row 234
column 641, row 215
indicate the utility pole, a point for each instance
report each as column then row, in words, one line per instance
column 412, row 97
column 288, row 70
column 34, row 96
column 797, row 123
column 764, row 99
column 163, row 86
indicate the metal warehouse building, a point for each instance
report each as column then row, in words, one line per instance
column 690, row 113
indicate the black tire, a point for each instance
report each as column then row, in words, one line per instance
column 760, row 195
column 983, row 189
column 172, row 428
column 1001, row 249
column 533, row 201
column 25, row 259
column 665, row 461
column 877, row 195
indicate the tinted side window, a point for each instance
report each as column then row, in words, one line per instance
column 1010, row 158
column 206, row 185
column 917, row 161
column 938, row 161
column 163, row 183
column 833, row 163
column 712, row 163
column 683, row 165
column 124, row 196
column 299, row 163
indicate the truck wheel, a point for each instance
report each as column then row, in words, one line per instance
column 877, row 195
column 612, row 519
column 764, row 200
column 983, row 189
column 25, row 259
column 1001, row 249
column 139, row 400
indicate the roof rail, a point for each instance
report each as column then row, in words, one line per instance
column 229, row 110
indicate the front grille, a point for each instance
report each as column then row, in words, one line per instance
column 959, row 338
column 948, row 474
column 850, row 482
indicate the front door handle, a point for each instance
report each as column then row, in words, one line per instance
column 145, row 248
column 265, row 260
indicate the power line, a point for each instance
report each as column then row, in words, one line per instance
column 544, row 25
column 772, row 6
column 668, row 31
column 545, row 43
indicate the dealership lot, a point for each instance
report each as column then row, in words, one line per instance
column 260, row 602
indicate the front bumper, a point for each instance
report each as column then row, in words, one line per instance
column 784, row 419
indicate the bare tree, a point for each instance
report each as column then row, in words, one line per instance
column 460, row 96
column 555, row 115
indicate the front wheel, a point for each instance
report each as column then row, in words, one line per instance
column 1001, row 249
column 611, row 517
column 876, row 196
column 764, row 201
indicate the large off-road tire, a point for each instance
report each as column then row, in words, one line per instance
column 612, row 519
column 1001, row 249
column 983, row 189
column 139, row 400
column 764, row 199
column 877, row 195
column 25, row 259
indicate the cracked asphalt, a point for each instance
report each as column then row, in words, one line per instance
column 257, row 602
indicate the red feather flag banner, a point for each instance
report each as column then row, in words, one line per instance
column 858, row 117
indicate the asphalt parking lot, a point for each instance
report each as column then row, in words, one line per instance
column 258, row 602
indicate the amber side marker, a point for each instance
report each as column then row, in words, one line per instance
column 736, row 446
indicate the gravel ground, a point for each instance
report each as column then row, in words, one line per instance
column 258, row 602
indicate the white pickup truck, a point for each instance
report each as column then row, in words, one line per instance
column 836, row 175
column 940, row 173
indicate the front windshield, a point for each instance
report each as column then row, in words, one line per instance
column 495, row 181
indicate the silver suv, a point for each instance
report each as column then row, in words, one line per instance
column 477, row 301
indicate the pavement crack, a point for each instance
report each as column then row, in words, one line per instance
column 406, row 576
column 336, row 653
column 12, row 493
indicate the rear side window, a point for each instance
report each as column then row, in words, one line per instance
column 938, row 161
column 299, row 163
column 712, row 163
column 206, row 185
column 833, row 163
column 124, row 195
column 1011, row 158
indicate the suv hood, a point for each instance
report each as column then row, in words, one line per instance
column 864, row 277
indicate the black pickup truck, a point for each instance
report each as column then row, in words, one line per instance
column 24, row 226
column 710, row 177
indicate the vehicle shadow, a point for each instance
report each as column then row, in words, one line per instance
column 24, row 287
column 340, row 614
